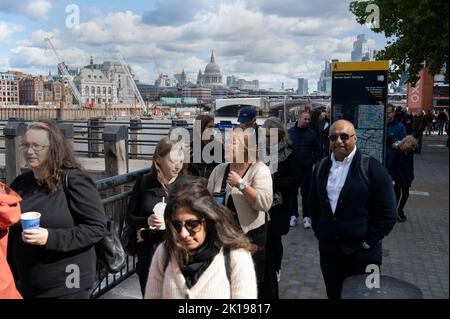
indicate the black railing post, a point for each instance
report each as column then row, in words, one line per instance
column 95, row 146
column 135, row 128
column 67, row 131
column 13, row 131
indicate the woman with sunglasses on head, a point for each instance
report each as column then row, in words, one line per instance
column 43, row 259
column 205, row 255
column 146, row 228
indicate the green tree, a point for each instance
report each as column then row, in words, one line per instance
column 417, row 33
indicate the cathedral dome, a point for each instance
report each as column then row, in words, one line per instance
column 212, row 67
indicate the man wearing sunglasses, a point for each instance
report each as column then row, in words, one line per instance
column 350, row 213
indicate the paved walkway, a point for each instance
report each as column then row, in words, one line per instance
column 415, row 251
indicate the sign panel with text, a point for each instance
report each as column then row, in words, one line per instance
column 359, row 95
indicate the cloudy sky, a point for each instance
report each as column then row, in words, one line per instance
column 273, row 41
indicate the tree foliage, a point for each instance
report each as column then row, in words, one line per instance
column 417, row 33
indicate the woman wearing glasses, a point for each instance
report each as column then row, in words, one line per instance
column 206, row 255
column 247, row 183
column 44, row 259
column 147, row 228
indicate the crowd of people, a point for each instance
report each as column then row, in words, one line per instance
column 220, row 235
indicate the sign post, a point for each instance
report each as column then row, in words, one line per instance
column 359, row 95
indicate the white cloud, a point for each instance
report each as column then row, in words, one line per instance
column 175, row 12
column 141, row 73
column 265, row 40
column 33, row 9
column 23, row 57
column 122, row 28
column 37, row 39
column 7, row 30
column 331, row 48
column 302, row 8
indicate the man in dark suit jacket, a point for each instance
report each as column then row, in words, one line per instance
column 350, row 213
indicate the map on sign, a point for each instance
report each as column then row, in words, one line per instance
column 371, row 142
column 371, row 116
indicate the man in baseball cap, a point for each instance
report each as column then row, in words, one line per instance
column 247, row 117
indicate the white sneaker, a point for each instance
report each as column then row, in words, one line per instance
column 307, row 222
column 293, row 221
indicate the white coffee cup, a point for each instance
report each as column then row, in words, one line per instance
column 159, row 211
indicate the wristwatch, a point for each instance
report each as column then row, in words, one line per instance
column 241, row 185
column 365, row 245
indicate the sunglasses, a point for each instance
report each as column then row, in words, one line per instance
column 342, row 136
column 192, row 226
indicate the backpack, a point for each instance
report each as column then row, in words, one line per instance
column 109, row 250
column 128, row 235
column 364, row 168
column 226, row 253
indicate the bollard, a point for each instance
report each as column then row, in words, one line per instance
column 95, row 147
column 135, row 128
column 67, row 131
column 355, row 287
column 116, row 160
column 13, row 132
column 116, row 153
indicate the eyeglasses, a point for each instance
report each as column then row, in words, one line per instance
column 192, row 226
column 34, row 146
column 343, row 136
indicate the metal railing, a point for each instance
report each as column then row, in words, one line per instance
column 116, row 205
column 84, row 144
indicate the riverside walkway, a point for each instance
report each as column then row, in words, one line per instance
column 416, row 251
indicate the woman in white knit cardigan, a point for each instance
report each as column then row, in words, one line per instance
column 247, row 183
column 205, row 255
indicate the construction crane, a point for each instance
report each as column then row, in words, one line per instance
column 65, row 73
column 137, row 94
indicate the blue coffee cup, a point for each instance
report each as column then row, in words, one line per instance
column 30, row 220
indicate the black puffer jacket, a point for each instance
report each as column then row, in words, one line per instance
column 306, row 143
column 285, row 182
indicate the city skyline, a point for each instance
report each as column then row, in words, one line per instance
column 269, row 41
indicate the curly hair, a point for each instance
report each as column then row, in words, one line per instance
column 60, row 156
column 192, row 193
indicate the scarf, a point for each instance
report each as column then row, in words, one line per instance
column 201, row 259
column 284, row 150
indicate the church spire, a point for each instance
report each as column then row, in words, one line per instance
column 212, row 57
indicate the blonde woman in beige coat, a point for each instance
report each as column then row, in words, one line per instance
column 246, row 187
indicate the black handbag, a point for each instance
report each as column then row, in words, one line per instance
column 109, row 250
column 128, row 240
